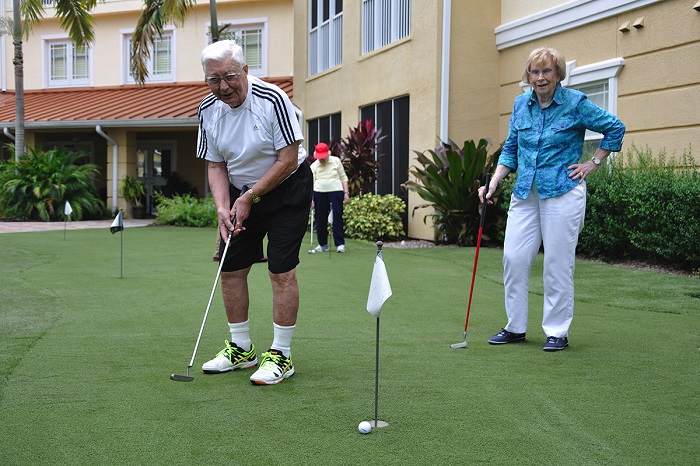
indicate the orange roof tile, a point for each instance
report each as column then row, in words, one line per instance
column 172, row 104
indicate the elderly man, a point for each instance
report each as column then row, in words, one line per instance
column 258, row 176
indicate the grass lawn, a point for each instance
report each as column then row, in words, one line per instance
column 85, row 360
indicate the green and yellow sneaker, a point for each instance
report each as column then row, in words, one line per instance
column 230, row 358
column 274, row 368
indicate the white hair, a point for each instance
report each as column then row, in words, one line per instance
column 222, row 50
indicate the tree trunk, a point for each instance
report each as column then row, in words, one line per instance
column 18, row 62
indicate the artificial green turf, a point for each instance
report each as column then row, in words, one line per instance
column 85, row 360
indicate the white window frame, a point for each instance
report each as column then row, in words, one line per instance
column 384, row 22
column 237, row 25
column 54, row 39
column 127, row 78
column 563, row 17
column 325, row 39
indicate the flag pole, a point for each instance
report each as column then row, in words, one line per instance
column 377, row 422
column 67, row 210
column 376, row 380
column 121, row 251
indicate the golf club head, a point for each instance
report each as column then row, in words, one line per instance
column 462, row 344
column 181, row 378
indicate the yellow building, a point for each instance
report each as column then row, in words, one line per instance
column 423, row 70
column 429, row 70
column 86, row 99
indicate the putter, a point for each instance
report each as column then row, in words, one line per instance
column 463, row 344
column 187, row 377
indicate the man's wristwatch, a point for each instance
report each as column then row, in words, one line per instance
column 595, row 160
column 255, row 198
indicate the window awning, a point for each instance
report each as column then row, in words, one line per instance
column 153, row 105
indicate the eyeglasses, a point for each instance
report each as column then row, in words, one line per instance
column 544, row 72
column 215, row 81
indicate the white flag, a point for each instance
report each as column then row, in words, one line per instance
column 117, row 224
column 67, row 209
column 379, row 288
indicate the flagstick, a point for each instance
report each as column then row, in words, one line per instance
column 121, row 251
column 376, row 381
column 65, row 223
column 377, row 422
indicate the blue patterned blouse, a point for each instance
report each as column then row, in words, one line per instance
column 542, row 142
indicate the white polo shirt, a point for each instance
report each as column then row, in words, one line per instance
column 248, row 137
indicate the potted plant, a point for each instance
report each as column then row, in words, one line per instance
column 134, row 191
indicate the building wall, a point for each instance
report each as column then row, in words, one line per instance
column 658, row 83
column 108, row 51
column 410, row 66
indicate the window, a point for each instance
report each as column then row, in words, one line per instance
column 392, row 117
column 325, row 129
column 325, row 35
column 384, row 22
column 68, row 64
column 252, row 36
column 597, row 93
column 160, row 65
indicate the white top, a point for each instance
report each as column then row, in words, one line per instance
column 329, row 176
column 248, row 137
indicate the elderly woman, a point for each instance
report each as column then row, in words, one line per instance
column 330, row 193
column 548, row 205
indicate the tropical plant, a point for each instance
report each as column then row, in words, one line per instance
column 448, row 178
column 133, row 190
column 374, row 217
column 38, row 184
column 358, row 152
column 155, row 15
column 73, row 16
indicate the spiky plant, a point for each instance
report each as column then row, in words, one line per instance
column 358, row 152
column 448, row 178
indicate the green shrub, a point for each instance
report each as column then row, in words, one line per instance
column 374, row 217
column 185, row 211
column 644, row 208
column 37, row 186
column 448, row 178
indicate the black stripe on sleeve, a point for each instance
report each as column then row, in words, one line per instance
column 202, row 143
column 283, row 117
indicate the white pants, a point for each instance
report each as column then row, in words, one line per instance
column 556, row 222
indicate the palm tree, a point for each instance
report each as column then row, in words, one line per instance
column 155, row 15
column 74, row 17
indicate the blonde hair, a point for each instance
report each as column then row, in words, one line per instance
column 541, row 55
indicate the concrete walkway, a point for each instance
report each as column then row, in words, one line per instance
column 23, row 227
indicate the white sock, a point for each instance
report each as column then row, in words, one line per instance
column 283, row 338
column 240, row 335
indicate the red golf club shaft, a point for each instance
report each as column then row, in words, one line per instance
column 476, row 254
column 471, row 288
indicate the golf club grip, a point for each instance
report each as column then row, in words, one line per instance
column 483, row 209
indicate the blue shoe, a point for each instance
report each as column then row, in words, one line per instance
column 504, row 336
column 556, row 344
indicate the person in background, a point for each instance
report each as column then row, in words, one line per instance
column 330, row 192
column 258, row 176
column 548, row 205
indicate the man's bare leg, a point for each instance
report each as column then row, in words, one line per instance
column 285, row 298
column 234, row 288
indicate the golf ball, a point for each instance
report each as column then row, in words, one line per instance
column 364, row 427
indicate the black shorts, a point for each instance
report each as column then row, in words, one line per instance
column 282, row 215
